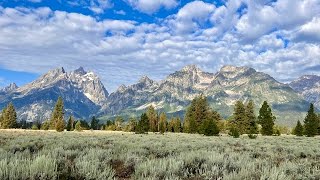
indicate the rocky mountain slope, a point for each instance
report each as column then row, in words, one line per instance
column 223, row 89
column 308, row 86
column 84, row 94
column 82, row 91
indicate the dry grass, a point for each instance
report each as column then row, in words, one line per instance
column 28, row 154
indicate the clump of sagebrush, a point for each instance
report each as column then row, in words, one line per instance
column 112, row 155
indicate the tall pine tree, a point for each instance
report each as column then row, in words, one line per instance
column 143, row 124
column 240, row 121
column 311, row 122
column 2, row 117
column 70, row 124
column 210, row 127
column 57, row 115
column 197, row 113
column 298, row 130
column 189, row 125
column 94, row 124
column 251, row 119
column 132, row 124
column 163, row 123
column 318, row 124
column 153, row 119
column 9, row 117
column 266, row 119
column 177, row 125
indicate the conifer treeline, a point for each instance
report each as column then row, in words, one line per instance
column 199, row 118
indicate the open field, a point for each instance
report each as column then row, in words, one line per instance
column 118, row 155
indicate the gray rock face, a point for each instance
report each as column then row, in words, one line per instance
column 8, row 89
column 308, row 87
column 223, row 89
column 82, row 91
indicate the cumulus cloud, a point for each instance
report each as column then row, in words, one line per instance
column 152, row 6
column 192, row 16
column 266, row 16
column 309, row 32
column 239, row 32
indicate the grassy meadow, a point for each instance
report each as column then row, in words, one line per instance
column 27, row 154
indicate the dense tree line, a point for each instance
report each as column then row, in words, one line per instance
column 199, row 118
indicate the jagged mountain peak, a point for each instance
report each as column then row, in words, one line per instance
column 11, row 87
column 80, row 71
column 146, row 80
column 122, row 88
column 191, row 68
column 56, row 72
column 305, row 82
column 312, row 78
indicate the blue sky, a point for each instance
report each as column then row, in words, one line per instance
column 125, row 39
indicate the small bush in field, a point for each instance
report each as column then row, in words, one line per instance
column 252, row 136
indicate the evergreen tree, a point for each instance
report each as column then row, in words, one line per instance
column 153, row 119
column 70, row 126
column 170, row 126
column 84, row 125
column 9, row 117
column 94, row 125
column 78, row 126
column 298, row 130
column 234, row 132
column 60, row 125
column 318, row 124
column 311, row 122
column 266, row 119
column 177, row 125
column 45, row 125
column 2, row 117
column 143, row 124
column 58, row 114
column 202, row 111
column 118, row 123
column 211, row 128
column 163, row 123
column 240, row 119
column 186, row 125
column 251, row 119
column 132, row 125
column 196, row 115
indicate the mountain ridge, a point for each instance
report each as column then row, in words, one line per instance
column 85, row 95
column 308, row 86
column 82, row 91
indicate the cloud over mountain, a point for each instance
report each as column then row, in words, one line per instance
column 263, row 34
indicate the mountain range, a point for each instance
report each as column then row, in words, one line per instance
column 84, row 94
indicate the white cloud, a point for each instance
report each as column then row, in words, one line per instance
column 99, row 6
column 152, row 6
column 121, row 12
column 264, row 16
column 191, row 16
column 309, row 32
column 36, row 40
